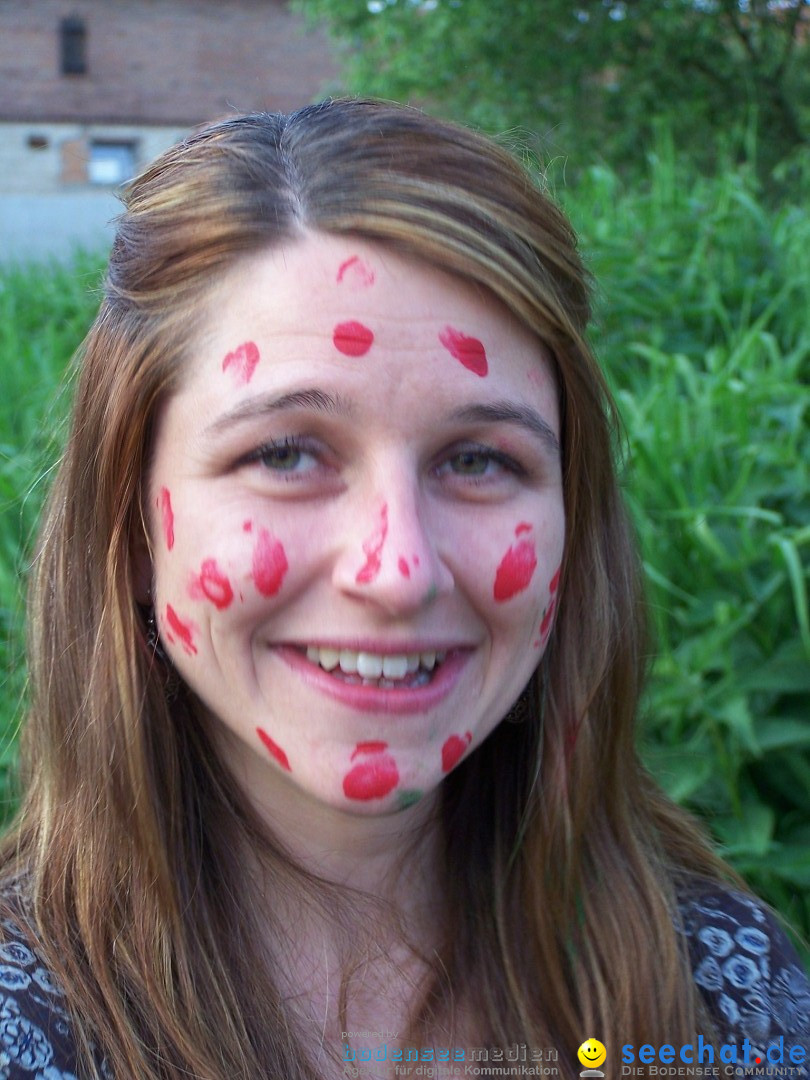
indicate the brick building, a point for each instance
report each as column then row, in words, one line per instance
column 91, row 90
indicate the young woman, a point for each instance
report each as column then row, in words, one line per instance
column 336, row 646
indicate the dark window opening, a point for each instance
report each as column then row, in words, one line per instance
column 73, row 35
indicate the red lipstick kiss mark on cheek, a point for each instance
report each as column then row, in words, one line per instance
column 467, row 350
column 555, row 581
column 373, row 779
column 269, row 563
column 164, row 502
column 242, row 362
column 515, row 571
column 352, row 338
column 453, row 750
column 357, row 270
column 183, row 631
column 274, row 749
column 372, row 549
column 212, row 584
column 548, row 615
column 404, row 569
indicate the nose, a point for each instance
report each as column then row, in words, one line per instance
column 390, row 553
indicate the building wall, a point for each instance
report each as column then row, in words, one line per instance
column 163, row 62
column 155, row 70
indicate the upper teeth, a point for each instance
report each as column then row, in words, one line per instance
column 373, row 665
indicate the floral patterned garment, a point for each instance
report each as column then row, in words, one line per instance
column 743, row 964
column 750, row 977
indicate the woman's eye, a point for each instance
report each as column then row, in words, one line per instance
column 286, row 456
column 480, row 463
column 471, row 463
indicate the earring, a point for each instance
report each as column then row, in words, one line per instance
column 153, row 638
column 521, row 710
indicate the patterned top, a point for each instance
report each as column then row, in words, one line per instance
column 743, row 964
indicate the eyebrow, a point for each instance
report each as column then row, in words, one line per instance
column 265, row 404
column 495, row 412
column 500, row 412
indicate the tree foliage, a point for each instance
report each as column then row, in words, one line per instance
column 592, row 76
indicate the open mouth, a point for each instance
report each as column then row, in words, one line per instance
column 397, row 671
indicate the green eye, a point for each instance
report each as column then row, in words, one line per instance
column 471, row 463
column 281, row 458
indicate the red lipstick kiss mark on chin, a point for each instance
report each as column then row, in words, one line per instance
column 372, row 549
column 515, row 571
column 352, row 338
column 242, row 362
column 274, row 749
column 184, row 631
column 269, row 563
column 372, row 779
column 164, row 502
column 357, row 270
column 467, row 350
column 453, row 750
column 212, row 585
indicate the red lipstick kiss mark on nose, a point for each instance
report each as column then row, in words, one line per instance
column 372, row 549
column 274, row 749
column 242, row 362
column 352, row 338
column 467, row 350
column 164, row 502
column 212, row 584
column 357, row 270
column 269, row 563
column 374, row 778
column 404, row 569
column 453, row 750
column 184, row 631
column 515, row 571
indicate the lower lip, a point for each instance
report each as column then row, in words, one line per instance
column 373, row 699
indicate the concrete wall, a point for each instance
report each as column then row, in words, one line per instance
column 37, row 228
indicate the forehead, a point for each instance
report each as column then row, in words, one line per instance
column 348, row 310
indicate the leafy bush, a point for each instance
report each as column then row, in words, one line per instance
column 703, row 328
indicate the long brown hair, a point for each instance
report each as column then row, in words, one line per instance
column 559, row 847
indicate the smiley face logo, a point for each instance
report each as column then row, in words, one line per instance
column 592, row 1053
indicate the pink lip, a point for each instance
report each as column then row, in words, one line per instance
column 372, row 699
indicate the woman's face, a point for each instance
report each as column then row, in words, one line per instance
column 356, row 520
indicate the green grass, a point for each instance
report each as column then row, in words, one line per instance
column 703, row 326
column 44, row 314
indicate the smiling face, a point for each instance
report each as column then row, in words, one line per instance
column 356, row 521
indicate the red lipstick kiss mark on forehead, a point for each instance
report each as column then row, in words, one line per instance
column 352, row 338
column 374, row 778
column 274, row 749
column 404, row 569
column 242, row 362
column 467, row 350
column 515, row 570
column 358, row 271
column 453, row 750
column 164, row 502
column 184, row 631
column 372, row 549
column 211, row 584
column 269, row 563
